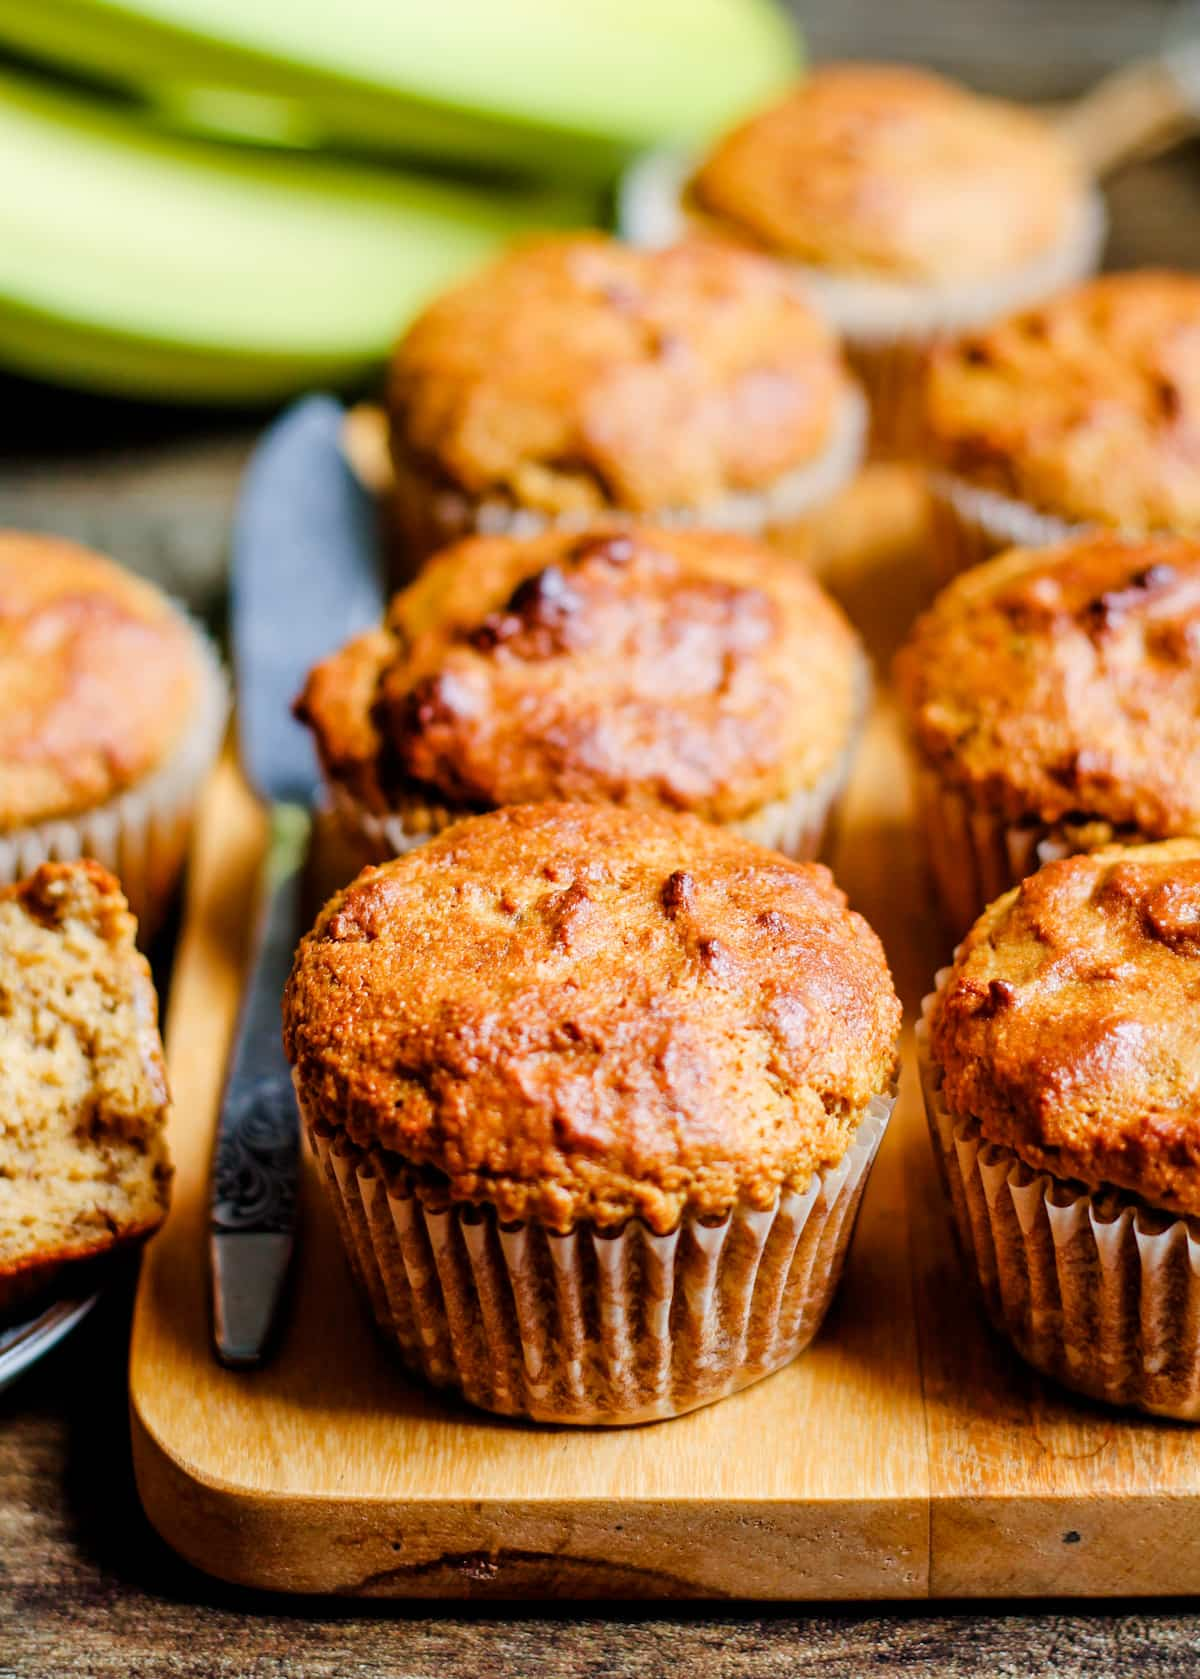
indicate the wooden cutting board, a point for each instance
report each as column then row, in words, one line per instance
column 908, row 1453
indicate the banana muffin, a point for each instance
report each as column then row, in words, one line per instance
column 112, row 707
column 595, row 1093
column 691, row 670
column 1053, row 697
column 1076, row 414
column 908, row 207
column 1061, row 1066
column 83, row 1157
column 577, row 378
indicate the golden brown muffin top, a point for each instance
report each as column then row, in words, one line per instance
column 1068, row 1024
column 98, row 679
column 892, row 172
column 580, row 1012
column 1065, row 682
column 577, row 374
column 1087, row 407
column 690, row 669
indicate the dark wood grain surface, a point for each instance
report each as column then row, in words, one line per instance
column 86, row 1588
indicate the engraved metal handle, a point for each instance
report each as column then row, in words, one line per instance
column 254, row 1175
column 256, row 1160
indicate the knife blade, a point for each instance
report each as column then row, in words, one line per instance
column 305, row 576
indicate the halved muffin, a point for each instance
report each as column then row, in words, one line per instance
column 83, row 1089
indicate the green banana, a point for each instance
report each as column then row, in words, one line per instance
column 161, row 266
column 552, row 87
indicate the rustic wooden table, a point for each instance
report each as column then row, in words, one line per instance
column 86, row 1588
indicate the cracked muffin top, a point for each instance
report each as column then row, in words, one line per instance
column 1064, row 682
column 1086, row 407
column 98, row 679
column 687, row 669
column 1067, row 1024
column 891, row 172
column 580, row 1012
column 577, row 374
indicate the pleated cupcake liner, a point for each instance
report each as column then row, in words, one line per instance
column 142, row 835
column 799, row 825
column 892, row 332
column 796, row 826
column 892, row 373
column 975, row 855
column 592, row 1327
column 866, row 308
column 969, row 525
column 425, row 516
column 1093, row 1288
column 889, row 327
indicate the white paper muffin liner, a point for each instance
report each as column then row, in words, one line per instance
column 141, row 835
column 800, row 825
column 888, row 326
column 975, row 855
column 590, row 1327
column 652, row 213
column 427, row 517
column 1093, row 1288
column 969, row 525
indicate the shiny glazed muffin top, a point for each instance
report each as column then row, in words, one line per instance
column 892, row 172
column 578, row 1012
column 688, row 669
column 98, row 679
column 577, row 374
column 1065, row 682
column 1087, row 407
column 1067, row 1026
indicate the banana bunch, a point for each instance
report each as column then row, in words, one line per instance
column 244, row 205
column 140, row 261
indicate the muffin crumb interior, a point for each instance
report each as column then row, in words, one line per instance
column 82, row 1087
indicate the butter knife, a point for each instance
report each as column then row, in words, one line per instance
column 305, row 576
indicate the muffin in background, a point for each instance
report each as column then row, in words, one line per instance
column 679, row 669
column 1053, row 702
column 577, row 379
column 1061, row 1071
column 908, row 207
column 112, row 708
column 83, row 1157
column 1077, row 414
column 595, row 1093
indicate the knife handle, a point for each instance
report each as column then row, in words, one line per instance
column 256, row 1161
